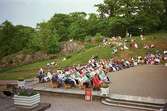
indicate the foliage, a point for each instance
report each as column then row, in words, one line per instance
column 118, row 26
column 98, row 38
column 13, row 38
column 26, row 92
column 88, row 46
column 88, row 38
column 145, row 14
column 53, row 46
column 114, row 18
column 78, row 28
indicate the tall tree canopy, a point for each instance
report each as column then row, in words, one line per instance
column 115, row 17
column 144, row 14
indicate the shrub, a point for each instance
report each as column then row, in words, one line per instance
column 26, row 92
column 98, row 38
column 88, row 46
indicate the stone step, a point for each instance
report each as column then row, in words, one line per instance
column 128, row 106
column 144, row 104
column 132, row 104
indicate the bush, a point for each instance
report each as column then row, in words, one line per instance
column 88, row 46
column 98, row 38
column 53, row 45
column 26, row 92
column 88, row 38
column 134, row 31
column 53, row 49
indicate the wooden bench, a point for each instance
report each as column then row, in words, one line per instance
column 67, row 86
column 53, row 84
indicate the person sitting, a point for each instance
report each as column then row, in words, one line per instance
column 86, row 81
column 96, row 82
column 77, row 78
column 125, row 46
column 41, row 75
column 49, row 74
column 114, row 50
column 68, row 83
column 133, row 44
column 55, row 81
column 146, row 46
column 135, row 63
column 157, row 60
column 47, row 77
column 165, row 56
column 152, row 46
column 103, row 77
column 141, row 36
column 127, row 63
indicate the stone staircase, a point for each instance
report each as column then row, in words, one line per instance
column 147, row 104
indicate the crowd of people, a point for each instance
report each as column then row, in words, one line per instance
column 96, row 71
column 92, row 74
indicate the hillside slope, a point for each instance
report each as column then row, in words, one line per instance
column 82, row 57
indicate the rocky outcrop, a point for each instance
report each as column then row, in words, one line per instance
column 71, row 46
column 23, row 58
column 26, row 58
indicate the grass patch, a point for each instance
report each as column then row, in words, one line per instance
column 84, row 56
column 23, row 71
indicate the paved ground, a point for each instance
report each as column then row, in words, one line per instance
column 6, row 104
column 145, row 81
column 59, row 103
column 77, row 104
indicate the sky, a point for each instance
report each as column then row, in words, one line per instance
column 31, row 12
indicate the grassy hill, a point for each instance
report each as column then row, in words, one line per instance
column 85, row 55
column 82, row 57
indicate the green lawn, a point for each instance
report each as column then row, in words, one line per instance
column 84, row 56
column 23, row 71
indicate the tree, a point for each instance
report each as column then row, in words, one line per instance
column 78, row 28
column 92, row 24
column 22, row 35
column 59, row 24
column 164, row 16
column 7, row 34
column 53, row 46
column 44, row 33
column 139, row 13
